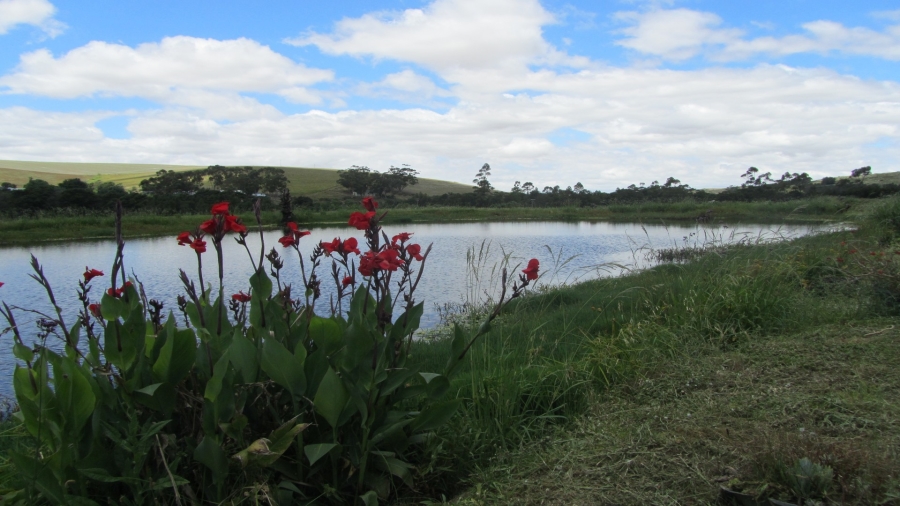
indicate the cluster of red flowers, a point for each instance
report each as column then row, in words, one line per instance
column 362, row 221
column 220, row 224
column 294, row 237
column 346, row 247
column 195, row 242
column 117, row 292
column 388, row 259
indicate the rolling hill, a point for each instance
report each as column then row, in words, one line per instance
column 314, row 183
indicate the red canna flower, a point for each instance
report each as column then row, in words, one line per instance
column 296, row 232
column 369, row 204
column 209, row 227
column 199, row 245
column 117, row 292
column 415, row 251
column 402, row 237
column 241, row 297
column 1, row 284
column 351, row 245
column 367, row 263
column 388, row 259
column 360, row 220
column 287, row 240
column 233, row 224
column 331, row 247
column 220, row 208
column 90, row 274
column 94, row 309
column 184, row 238
column 348, row 280
column 531, row 272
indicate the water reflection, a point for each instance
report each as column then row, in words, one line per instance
column 569, row 251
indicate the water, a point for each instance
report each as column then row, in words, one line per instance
column 568, row 251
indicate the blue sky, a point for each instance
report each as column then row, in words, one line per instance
column 554, row 92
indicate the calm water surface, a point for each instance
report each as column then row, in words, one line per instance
column 568, row 252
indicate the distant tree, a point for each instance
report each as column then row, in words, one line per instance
column 670, row 182
column 398, row 178
column 37, row 194
column 482, row 185
column 287, row 211
column 579, row 188
column 272, row 180
column 828, row 180
column 861, row 172
column 7, row 186
column 528, row 187
column 76, row 193
column 752, row 177
column 517, row 187
column 356, row 179
column 168, row 182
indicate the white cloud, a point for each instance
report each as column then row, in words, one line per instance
column 676, row 34
column 704, row 127
column 187, row 71
column 407, row 86
column 446, row 34
column 38, row 13
column 679, row 34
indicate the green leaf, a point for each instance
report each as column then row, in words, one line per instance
column 316, row 452
column 211, row 455
column 394, row 466
column 111, row 307
column 437, row 386
column 331, row 398
column 407, row 322
column 74, row 394
column 150, row 389
column 177, row 356
column 214, row 385
column 23, row 352
column 435, row 415
column 370, row 498
column 244, row 355
column 283, row 367
column 326, row 333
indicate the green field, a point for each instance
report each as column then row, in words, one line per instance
column 314, row 183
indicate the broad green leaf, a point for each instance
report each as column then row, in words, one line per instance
column 243, row 354
column 326, row 333
column 74, row 395
column 317, row 451
column 370, row 498
column 407, row 322
column 395, row 379
column 437, row 387
column 111, row 307
column 150, row 389
column 435, row 415
column 23, row 352
column 331, row 398
column 211, row 455
column 214, row 385
column 283, row 367
column 394, row 466
column 177, row 355
column 40, row 474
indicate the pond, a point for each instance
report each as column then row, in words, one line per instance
column 462, row 266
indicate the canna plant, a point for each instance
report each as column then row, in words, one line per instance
column 252, row 397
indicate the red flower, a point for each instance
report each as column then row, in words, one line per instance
column 241, row 297
column 1, row 284
column 199, row 245
column 388, row 259
column 117, row 292
column 233, row 225
column 852, row 251
column 220, row 208
column 367, row 263
column 94, row 309
column 839, row 259
column 348, row 280
column 872, row 253
column 415, row 251
column 402, row 237
column 360, row 220
column 331, row 247
column 90, row 274
column 209, row 227
column 369, row 204
column 184, row 238
column 296, row 232
column 350, row 246
column 531, row 272
column 287, row 240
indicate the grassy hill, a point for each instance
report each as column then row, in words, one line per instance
column 314, row 183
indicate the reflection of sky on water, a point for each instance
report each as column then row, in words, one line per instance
column 568, row 252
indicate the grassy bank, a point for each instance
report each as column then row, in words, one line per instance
column 29, row 230
column 660, row 387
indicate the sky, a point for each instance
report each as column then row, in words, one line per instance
column 606, row 93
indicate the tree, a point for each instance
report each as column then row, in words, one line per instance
column 861, row 172
column 517, row 187
column 76, row 193
column 754, row 178
column 356, row 179
column 398, row 178
column 670, row 182
column 528, row 187
column 579, row 188
column 7, row 186
column 37, row 194
column 482, row 185
column 171, row 182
